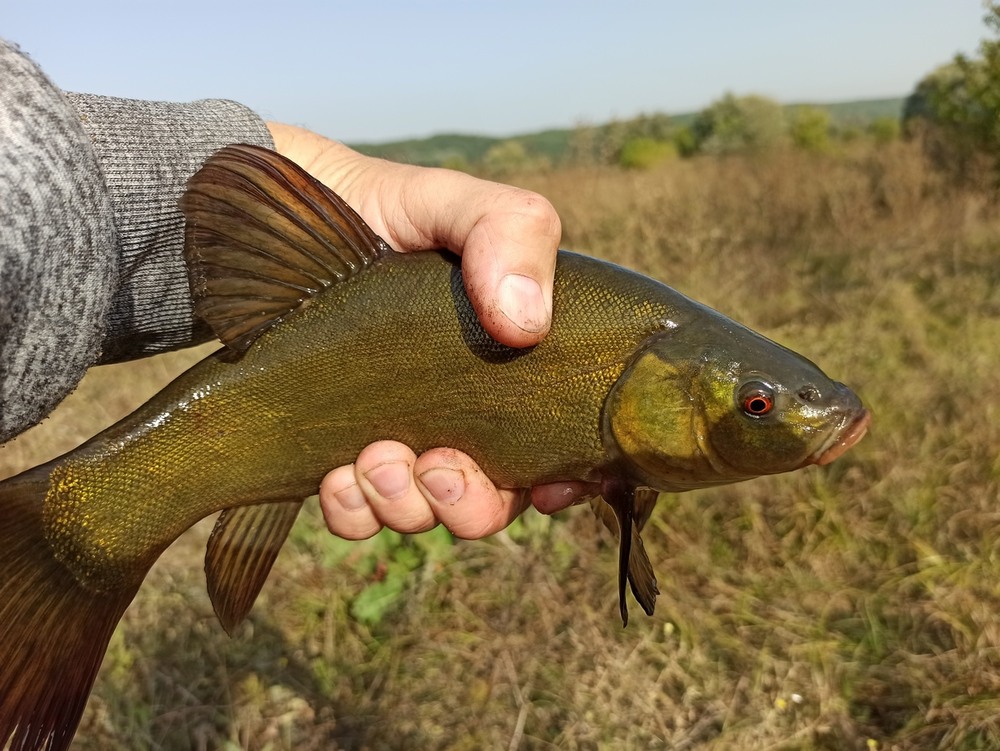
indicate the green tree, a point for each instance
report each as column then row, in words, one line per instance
column 740, row 124
column 607, row 144
column 956, row 108
column 810, row 128
column 656, row 126
column 507, row 157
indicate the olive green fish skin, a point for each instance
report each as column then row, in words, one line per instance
column 395, row 352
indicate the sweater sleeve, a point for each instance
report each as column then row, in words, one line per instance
column 57, row 246
column 90, row 233
column 147, row 151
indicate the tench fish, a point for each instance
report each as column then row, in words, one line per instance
column 333, row 341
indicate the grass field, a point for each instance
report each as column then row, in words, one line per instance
column 855, row 606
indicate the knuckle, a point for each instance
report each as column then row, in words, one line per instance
column 535, row 215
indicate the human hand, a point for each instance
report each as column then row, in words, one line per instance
column 507, row 238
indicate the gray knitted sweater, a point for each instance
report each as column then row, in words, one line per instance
column 90, row 233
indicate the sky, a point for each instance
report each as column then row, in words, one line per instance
column 379, row 71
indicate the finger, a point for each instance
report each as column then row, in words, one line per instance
column 548, row 499
column 344, row 506
column 462, row 497
column 384, row 473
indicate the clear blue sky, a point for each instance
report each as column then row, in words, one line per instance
column 376, row 71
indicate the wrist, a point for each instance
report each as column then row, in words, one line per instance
column 321, row 157
column 367, row 183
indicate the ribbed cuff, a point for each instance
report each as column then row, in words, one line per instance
column 147, row 151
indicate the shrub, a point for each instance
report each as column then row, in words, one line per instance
column 643, row 153
column 740, row 124
column 810, row 128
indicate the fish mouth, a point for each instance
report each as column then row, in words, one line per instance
column 840, row 442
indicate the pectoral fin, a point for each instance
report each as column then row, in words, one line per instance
column 625, row 510
column 640, row 570
column 241, row 550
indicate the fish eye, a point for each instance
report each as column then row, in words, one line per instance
column 756, row 399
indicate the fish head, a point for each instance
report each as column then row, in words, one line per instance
column 717, row 403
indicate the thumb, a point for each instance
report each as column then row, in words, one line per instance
column 507, row 237
column 508, row 263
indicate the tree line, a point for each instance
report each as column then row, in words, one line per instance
column 954, row 112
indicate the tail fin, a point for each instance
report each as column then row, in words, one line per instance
column 53, row 631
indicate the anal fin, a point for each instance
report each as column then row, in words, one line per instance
column 241, row 550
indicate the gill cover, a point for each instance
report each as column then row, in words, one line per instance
column 713, row 402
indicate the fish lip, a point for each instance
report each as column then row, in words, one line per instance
column 841, row 441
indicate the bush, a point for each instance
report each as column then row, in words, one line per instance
column 508, row 157
column 740, row 124
column 643, row 153
column 884, row 129
column 810, row 129
column 685, row 141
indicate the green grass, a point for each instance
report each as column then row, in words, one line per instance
column 848, row 607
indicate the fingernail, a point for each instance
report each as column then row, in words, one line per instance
column 391, row 480
column 521, row 300
column 446, row 485
column 351, row 497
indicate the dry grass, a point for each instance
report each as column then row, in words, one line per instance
column 852, row 606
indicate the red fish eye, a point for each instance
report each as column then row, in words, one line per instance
column 755, row 398
column 758, row 404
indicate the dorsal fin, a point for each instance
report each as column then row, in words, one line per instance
column 262, row 237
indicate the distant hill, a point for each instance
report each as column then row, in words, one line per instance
column 458, row 148
column 862, row 111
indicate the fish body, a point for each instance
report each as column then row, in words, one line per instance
column 350, row 371
column 333, row 342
